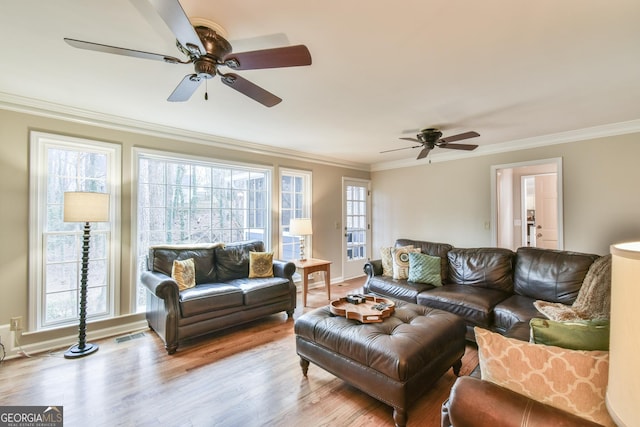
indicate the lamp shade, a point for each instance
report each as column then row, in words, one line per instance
column 623, row 390
column 86, row 207
column 300, row 227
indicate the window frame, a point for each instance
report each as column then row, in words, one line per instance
column 40, row 143
column 283, row 232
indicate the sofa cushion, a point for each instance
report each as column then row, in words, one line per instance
column 424, row 268
column 397, row 289
column 209, row 297
column 161, row 259
column 184, row 273
column 232, row 260
column 512, row 310
column 571, row 380
column 575, row 335
column 260, row 264
column 550, row 275
column 473, row 304
column 260, row 290
column 434, row 249
column 483, row 267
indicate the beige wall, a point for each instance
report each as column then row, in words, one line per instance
column 14, row 188
column 450, row 201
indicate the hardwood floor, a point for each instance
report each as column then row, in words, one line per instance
column 245, row 376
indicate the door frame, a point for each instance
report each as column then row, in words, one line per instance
column 495, row 169
column 343, row 257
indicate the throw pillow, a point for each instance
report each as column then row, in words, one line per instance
column 401, row 261
column 576, row 335
column 260, row 264
column 571, row 380
column 387, row 260
column 424, row 268
column 184, row 273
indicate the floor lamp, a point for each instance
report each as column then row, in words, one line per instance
column 84, row 207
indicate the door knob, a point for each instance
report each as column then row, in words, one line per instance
column 539, row 235
column 539, row 227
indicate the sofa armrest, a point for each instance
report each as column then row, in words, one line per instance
column 474, row 402
column 160, row 284
column 373, row 268
column 284, row 269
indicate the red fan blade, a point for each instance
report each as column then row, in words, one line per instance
column 461, row 136
column 468, row 147
column 97, row 47
column 424, row 153
column 290, row 56
column 185, row 88
column 252, row 90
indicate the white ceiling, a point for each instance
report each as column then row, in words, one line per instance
column 511, row 70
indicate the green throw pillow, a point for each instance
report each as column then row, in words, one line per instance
column 424, row 268
column 574, row 335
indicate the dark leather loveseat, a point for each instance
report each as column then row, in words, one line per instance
column 493, row 288
column 224, row 295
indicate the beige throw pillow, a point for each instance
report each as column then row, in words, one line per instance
column 400, row 258
column 572, row 380
column 260, row 264
column 387, row 260
column 184, row 273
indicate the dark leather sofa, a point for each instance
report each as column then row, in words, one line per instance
column 224, row 296
column 493, row 288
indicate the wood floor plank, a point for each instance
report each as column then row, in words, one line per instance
column 245, row 376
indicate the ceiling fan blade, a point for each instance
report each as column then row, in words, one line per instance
column 412, row 140
column 467, row 147
column 398, row 149
column 461, row 136
column 185, row 88
column 97, row 47
column 252, row 90
column 289, row 56
column 173, row 15
column 424, row 153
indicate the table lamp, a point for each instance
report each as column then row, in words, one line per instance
column 301, row 227
column 623, row 390
column 84, row 207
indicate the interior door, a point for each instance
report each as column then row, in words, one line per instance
column 546, row 223
column 356, row 225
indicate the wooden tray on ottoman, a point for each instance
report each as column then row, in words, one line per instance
column 363, row 312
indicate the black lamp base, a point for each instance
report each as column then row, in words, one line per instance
column 75, row 351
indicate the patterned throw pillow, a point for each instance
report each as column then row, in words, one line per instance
column 260, row 264
column 400, row 258
column 387, row 260
column 424, row 268
column 184, row 273
column 571, row 380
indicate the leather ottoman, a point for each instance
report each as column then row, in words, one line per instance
column 394, row 361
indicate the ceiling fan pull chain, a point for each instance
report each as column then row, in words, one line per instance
column 206, row 89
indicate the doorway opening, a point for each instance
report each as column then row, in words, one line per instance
column 526, row 204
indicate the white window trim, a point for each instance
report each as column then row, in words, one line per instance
column 307, row 177
column 39, row 143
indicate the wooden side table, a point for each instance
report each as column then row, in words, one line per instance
column 311, row 265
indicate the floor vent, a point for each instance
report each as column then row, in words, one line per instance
column 129, row 337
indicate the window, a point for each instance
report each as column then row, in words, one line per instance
column 60, row 164
column 295, row 202
column 188, row 200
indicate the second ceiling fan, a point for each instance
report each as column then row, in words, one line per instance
column 430, row 138
column 207, row 51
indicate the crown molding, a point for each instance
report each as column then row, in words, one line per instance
column 77, row 115
column 585, row 134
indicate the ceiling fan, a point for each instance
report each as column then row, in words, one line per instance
column 431, row 138
column 207, row 51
